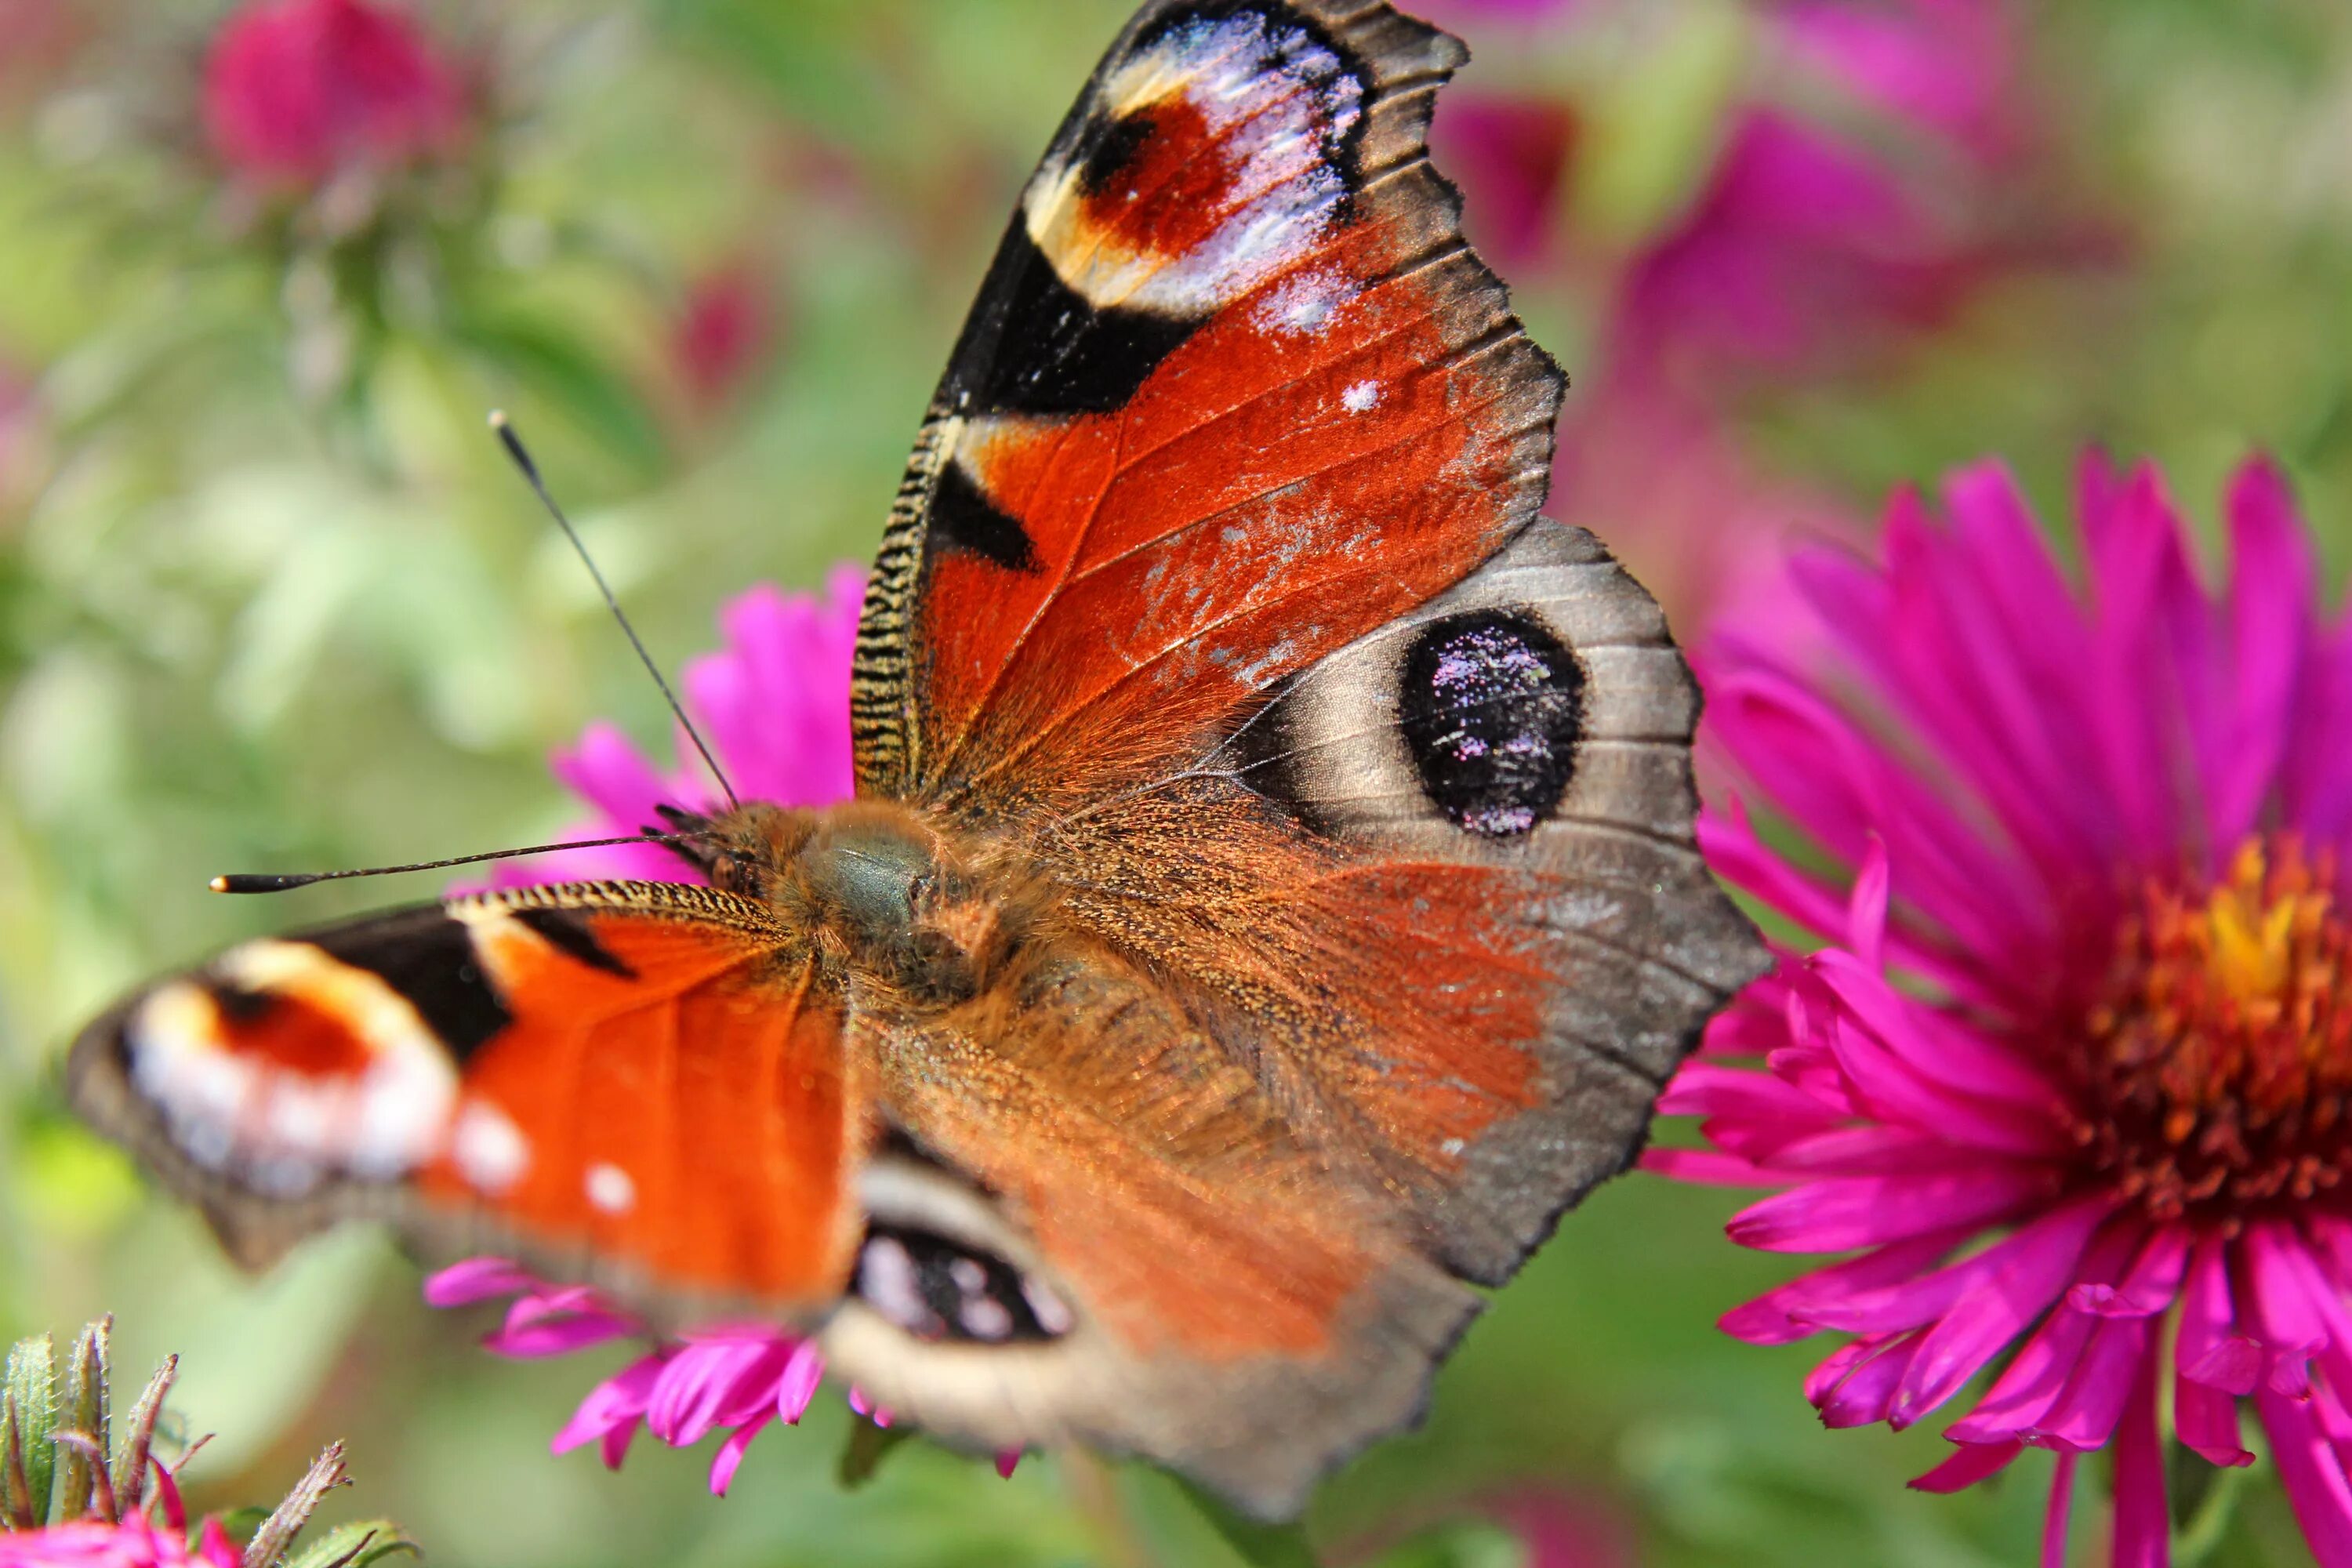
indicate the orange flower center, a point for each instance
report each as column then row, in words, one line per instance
column 2217, row 1067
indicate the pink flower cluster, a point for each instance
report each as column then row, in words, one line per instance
column 2066, row 1080
column 298, row 90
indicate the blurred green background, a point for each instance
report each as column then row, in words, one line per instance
column 269, row 597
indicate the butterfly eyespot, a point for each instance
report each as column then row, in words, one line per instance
column 936, row 1291
column 1491, row 705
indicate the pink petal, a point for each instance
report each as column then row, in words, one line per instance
column 2150, row 1286
column 2209, row 1354
column 2280, row 1306
column 1971, row 1464
column 1889, row 1091
column 477, row 1279
column 1784, row 1315
column 615, row 1404
column 1712, row 1089
column 729, row 1458
column 2045, row 1365
column 1007, row 1461
column 2206, row 1423
column 1708, row 1168
column 2212, row 1362
column 2313, row 1471
column 1940, row 1049
column 2084, row 1415
column 1867, row 913
column 2011, row 1299
column 1845, row 1213
column 2143, row 1527
column 559, row 1333
column 168, row 1500
column 705, row 1385
column 1864, row 1394
column 802, row 1375
column 2062, row 1507
column 216, row 1547
column 2272, row 592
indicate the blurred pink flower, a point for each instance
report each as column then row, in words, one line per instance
column 1664, row 480
column 20, row 433
column 296, row 91
column 774, row 705
column 723, row 333
column 1874, row 207
column 39, row 38
column 1862, row 193
column 136, row 1543
column 1568, row 1530
column 736, row 1380
column 2068, row 1078
column 1514, row 155
column 1818, row 233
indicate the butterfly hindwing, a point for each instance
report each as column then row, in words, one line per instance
column 1444, row 890
column 627, row 1083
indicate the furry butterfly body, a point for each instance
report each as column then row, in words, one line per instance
column 1271, row 897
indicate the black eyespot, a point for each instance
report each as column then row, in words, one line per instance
column 1491, row 705
column 939, row 1291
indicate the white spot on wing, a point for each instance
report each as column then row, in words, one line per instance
column 609, row 1188
column 1361, row 398
column 489, row 1149
column 887, row 1278
column 1046, row 1306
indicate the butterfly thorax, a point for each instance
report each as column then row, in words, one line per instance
column 890, row 897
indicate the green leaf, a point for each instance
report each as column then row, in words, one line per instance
column 354, row 1546
column 1260, row 1545
column 84, row 1413
column 867, row 1447
column 32, row 1421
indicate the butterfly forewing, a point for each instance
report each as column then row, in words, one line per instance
column 633, row 1083
column 1234, row 393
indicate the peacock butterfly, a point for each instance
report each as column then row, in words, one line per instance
column 1270, row 900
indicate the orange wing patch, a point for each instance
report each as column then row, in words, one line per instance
column 677, row 1103
column 640, row 1081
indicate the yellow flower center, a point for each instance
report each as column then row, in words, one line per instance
column 2218, row 1066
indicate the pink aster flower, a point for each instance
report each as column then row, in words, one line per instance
column 724, row 331
column 2066, row 1083
column 297, row 89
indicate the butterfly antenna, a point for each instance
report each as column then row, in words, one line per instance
column 523, row 460
column 279, row 882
